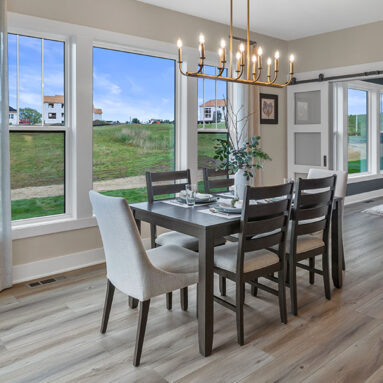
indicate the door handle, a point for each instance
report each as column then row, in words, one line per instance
column 324, row 160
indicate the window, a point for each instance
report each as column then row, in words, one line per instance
column 52, row 116
column 381, row 130
column 51, row 106
column 357, row 131
column 134, row 121
column 37, row 151
column 212, row 100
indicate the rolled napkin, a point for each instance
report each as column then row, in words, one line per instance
column 230, row 203
column 203, row 196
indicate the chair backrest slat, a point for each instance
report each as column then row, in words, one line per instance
column 310, row 213
column 216, row 179
column 264, row 209
column 315, row 199
column 262, row 242
column 168, row 188
column 311, row 227
column 264, row 226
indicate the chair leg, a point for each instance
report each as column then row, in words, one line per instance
column 287, row 271
column 343, row 261
column 326, row 275
column 222, row 285
column 107, row 306
column 133, row 303
column 254, row 289
column 282, row 296
column 312, row 274
column 143, row 317
column 240, row 294
column 169, row 300
column 184, row 298
column 293, row 285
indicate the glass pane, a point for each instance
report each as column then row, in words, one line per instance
column 308, row 149
column 357, row 131
column 37, row 174
column 53, row 82
column 30, row 84
column 12, row 77
column 381, row 131
column 206, row 143
column 307, row 108
column 133, row 117
column 221, row 102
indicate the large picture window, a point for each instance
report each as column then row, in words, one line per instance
column 37, row 131
column 133, row 121
column 357, row 131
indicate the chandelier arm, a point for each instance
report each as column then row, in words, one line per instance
column 275, row 77
column 241, row 73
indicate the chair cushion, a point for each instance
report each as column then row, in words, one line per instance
column 179, row 239
column 306, row 243
column 225, row 257
column 174, row 259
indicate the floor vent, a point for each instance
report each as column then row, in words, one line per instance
column 46, row 281
column 369, row 201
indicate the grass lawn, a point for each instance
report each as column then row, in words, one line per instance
column 37, row 159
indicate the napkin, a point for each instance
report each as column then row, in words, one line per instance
column 230, row 203
column 203, row 196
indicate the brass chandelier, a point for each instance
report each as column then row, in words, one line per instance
column 245, row 57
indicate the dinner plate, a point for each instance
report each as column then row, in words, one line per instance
column 227, row 209
column 198, row 200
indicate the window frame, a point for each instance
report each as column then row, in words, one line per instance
column 66, row 128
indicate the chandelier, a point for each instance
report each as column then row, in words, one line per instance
column 248, row 62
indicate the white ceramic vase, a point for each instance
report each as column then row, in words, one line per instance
column 240, row 183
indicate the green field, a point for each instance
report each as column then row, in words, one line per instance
column 37, row 159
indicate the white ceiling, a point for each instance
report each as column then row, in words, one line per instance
column 285, row 19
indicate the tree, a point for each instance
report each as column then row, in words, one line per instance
column 32, row 115
column 135, row 121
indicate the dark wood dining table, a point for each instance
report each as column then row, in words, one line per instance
column 207, row 228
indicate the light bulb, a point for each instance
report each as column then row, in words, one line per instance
column 202, row 38
column 269, row 61
column 242, row 47
column 260, row 51
column 223, row 43
column 179, row 43
column 292, row 58
column 276, row 55
column 238, row 55
column 254, row 58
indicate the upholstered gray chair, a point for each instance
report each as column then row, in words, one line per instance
column 137, row 273
column 340, row 188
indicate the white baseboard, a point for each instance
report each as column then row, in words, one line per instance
column 363, row 197
column 61, row 264
column 57, row 265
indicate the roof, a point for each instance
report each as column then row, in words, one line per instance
column 54, row 99
column 221, row 102
column 12, row 109
column 97, row 111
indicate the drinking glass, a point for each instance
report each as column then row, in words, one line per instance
column 190, row 194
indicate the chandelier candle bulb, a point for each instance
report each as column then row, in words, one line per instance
column 238, row 57
column 292, row 59
column 254, row 60
column 268, row 69
column 179, row 45
column 276, row 62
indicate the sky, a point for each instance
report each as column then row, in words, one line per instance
column 125, row 85
column 357, row 102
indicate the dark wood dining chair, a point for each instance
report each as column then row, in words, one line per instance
column 212, row 180
column 159, row 186
column 216, row 179
column 263, row 225
column 309, row 237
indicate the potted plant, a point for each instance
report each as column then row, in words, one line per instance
column 238, row 154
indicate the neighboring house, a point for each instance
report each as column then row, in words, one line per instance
column 97, row 114
column 13, row 117
column 54, row 110
column 212, row 111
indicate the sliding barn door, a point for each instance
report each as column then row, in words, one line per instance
column 307, row 128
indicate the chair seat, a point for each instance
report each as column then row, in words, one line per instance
column 306, row 243
column 225, row 257
column 174, row 259
column 178, row 239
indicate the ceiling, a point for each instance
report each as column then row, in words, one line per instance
column 285, row 19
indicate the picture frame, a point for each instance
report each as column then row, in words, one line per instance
column 268, row 108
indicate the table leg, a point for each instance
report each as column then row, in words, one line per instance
column 337, row 244
column 205, row 293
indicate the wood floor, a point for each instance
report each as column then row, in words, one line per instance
column 51, row 333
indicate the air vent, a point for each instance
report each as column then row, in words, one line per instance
column 46, row 281
column 369, row 201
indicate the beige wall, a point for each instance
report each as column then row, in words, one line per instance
column 352, row 46
column 138, row 19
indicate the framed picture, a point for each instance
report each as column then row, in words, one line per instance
column 268, row 105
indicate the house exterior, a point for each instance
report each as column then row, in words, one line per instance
column 54, row 111
column 13, row 116
column 212, row 111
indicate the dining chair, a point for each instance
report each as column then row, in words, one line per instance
column 264, row 224
column 137, row 273
column 309, row 237
column 219, row 179
column 162, row 184
column 340, row 190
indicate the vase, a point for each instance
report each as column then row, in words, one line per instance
column 240, row 183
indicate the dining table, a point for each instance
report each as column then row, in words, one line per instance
column 198, row 222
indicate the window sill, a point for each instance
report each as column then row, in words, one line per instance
column 58, row 224
column 352, row 178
